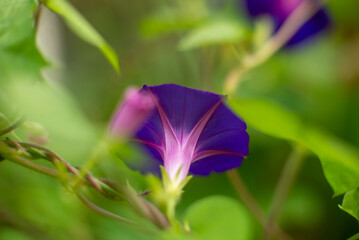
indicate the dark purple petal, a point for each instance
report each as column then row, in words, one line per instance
column 224, row 132
column 319, row 22
column 223, row 163
column 183, row 106
column 279, row 10
column 256, row 8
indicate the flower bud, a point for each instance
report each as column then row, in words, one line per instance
column 36, row 133
column 135, row 109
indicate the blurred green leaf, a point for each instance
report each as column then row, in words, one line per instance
column 83, row 29
column 18, row 52
column 355, row 237
column 339, row 160
column 351, row 203
column 70, row 133
column 9, row 233
column 219, row 217
column 169, row 19
column 215, row 31
column 269, row 118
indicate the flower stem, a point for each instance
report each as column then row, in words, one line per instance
column 105, row 187
column 11, row 127
column 247, row 198
column 286, row 181
column 11, row 155
column 292, row 24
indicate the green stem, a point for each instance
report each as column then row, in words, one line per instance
column 11, row 155
column 292, row 24
column 247, row 198
column 103, row 186
column 101, row 210
column 286, row 181
column 11, row 127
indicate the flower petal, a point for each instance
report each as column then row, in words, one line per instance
column 184, row 107
column 279, row 10
column 216, row 163
column 193, row 127
column 316, row 24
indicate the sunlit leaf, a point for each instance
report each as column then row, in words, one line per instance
column 83, row 29
column 340, row 161
column 216, row 31
column 18, row 52
column 269, row 118
column 219, row 217
column 355, row 237
column 351, row 203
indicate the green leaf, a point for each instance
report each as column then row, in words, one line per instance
column 219, row 217
column 268, row 118
column 355, row 237
column 78, row 24
column 340, row 161
column 168, row 19
column 18, row 52
column 70, row 133
column 213, row 32
column 351, row 204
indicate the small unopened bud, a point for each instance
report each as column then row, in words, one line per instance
column 36, row 133
column 133, row 112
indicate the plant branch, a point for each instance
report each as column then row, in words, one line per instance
column 247, row 198
column 11, row 127
column 105, row 187
column 102, row 211
column 286, row 181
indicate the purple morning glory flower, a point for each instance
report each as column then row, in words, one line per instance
column 191, row 131
column 279, row 10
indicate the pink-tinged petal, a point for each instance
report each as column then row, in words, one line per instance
column 135, row 110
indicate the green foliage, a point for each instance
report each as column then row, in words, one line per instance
column 216, row 217
column 57, row 112
column 212, row 32
column 351, row 203
column 219, row 217
column 340, row 161
column 169, row 20
column 269, row 118
column 18, row 50
column 355, row 237
column 83, row 29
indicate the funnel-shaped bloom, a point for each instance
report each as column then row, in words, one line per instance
column 192, row 131
column 133, row 112
column 279, row 10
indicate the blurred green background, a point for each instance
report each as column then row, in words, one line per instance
column 318, row 80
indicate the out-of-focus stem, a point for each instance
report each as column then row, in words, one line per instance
column 292, row 24
column 101, row 210
column 247, row 198
column 11, row 155
column 286, row 181
column 105, row 187
column 11, row 127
